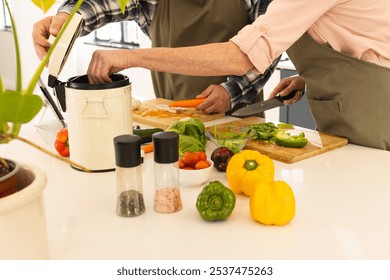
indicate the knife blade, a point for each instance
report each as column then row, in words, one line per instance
column 262, row 106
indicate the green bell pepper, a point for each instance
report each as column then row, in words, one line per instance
column 286, row 140
column 215, row 202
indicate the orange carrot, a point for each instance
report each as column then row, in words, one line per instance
column 148, row 148
column 188, row 103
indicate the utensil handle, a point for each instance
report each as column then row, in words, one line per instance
column 51, row 102
column 288, row 96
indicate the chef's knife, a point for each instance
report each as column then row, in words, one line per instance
column 262, row 106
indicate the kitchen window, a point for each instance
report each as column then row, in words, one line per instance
column 117, row 35
column 5, row 22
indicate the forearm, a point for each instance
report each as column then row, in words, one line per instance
column 207, row 60
column 243, row 89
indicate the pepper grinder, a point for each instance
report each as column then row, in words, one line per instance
column 166, row 175
column 130, row 201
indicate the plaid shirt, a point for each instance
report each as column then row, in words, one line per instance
column 97, row 13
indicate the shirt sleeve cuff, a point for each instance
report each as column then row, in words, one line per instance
column 65, row 9
column 234, row 91
column 251, row 41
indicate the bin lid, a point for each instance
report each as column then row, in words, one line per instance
column 63, row 48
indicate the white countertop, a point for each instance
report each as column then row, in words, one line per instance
column 342, row 199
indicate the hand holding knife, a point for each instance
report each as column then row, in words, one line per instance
column 262, row 106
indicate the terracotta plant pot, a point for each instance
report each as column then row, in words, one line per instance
column 8, row 182
column 23, row 218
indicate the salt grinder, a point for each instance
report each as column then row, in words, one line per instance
column 166, row 175
column 130, row 201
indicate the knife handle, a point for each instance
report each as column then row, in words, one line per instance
column 288, row 96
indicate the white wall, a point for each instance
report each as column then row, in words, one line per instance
column 25, row 14
column 7, row 59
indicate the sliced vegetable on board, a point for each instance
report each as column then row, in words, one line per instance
column 215, row 202
column 278, row 134
column 282, row 138
column 187, row 103
column 263, row 131
column 248, row 168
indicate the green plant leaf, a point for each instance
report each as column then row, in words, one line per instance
column 1, row 85
column 18, row 108
column 44, row 5
column 122, row 4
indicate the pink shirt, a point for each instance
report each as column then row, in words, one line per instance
column 359, row 28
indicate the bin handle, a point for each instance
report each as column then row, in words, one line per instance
column 98, row 111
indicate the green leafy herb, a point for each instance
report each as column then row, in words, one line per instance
column 263, row 131
column 277, row 134
column 193, row 128
column 21, row 106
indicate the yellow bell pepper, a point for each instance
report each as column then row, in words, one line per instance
column 248, row 168
column 273, row 203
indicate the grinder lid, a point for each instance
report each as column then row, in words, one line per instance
column 64, row 46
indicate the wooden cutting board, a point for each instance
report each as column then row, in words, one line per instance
column 284, row 154
column 148, row 114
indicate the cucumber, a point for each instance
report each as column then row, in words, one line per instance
column 146, row 134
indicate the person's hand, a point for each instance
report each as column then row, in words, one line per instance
column 106, row 62
column 286, row 86
column 217, row 100
column 43, row 29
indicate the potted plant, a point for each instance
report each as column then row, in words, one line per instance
column 22, row 185
column 20, row 106
column 24, row 236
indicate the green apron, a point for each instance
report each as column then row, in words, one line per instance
column 347, row 96
column 179, row 23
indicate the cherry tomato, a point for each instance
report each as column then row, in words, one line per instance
column 181, row 163
column 62, row 135
column 61, row 143
column 202, row 164
column 190, row 158
column 202, row 155
column 188, row 168
column 62, row 148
